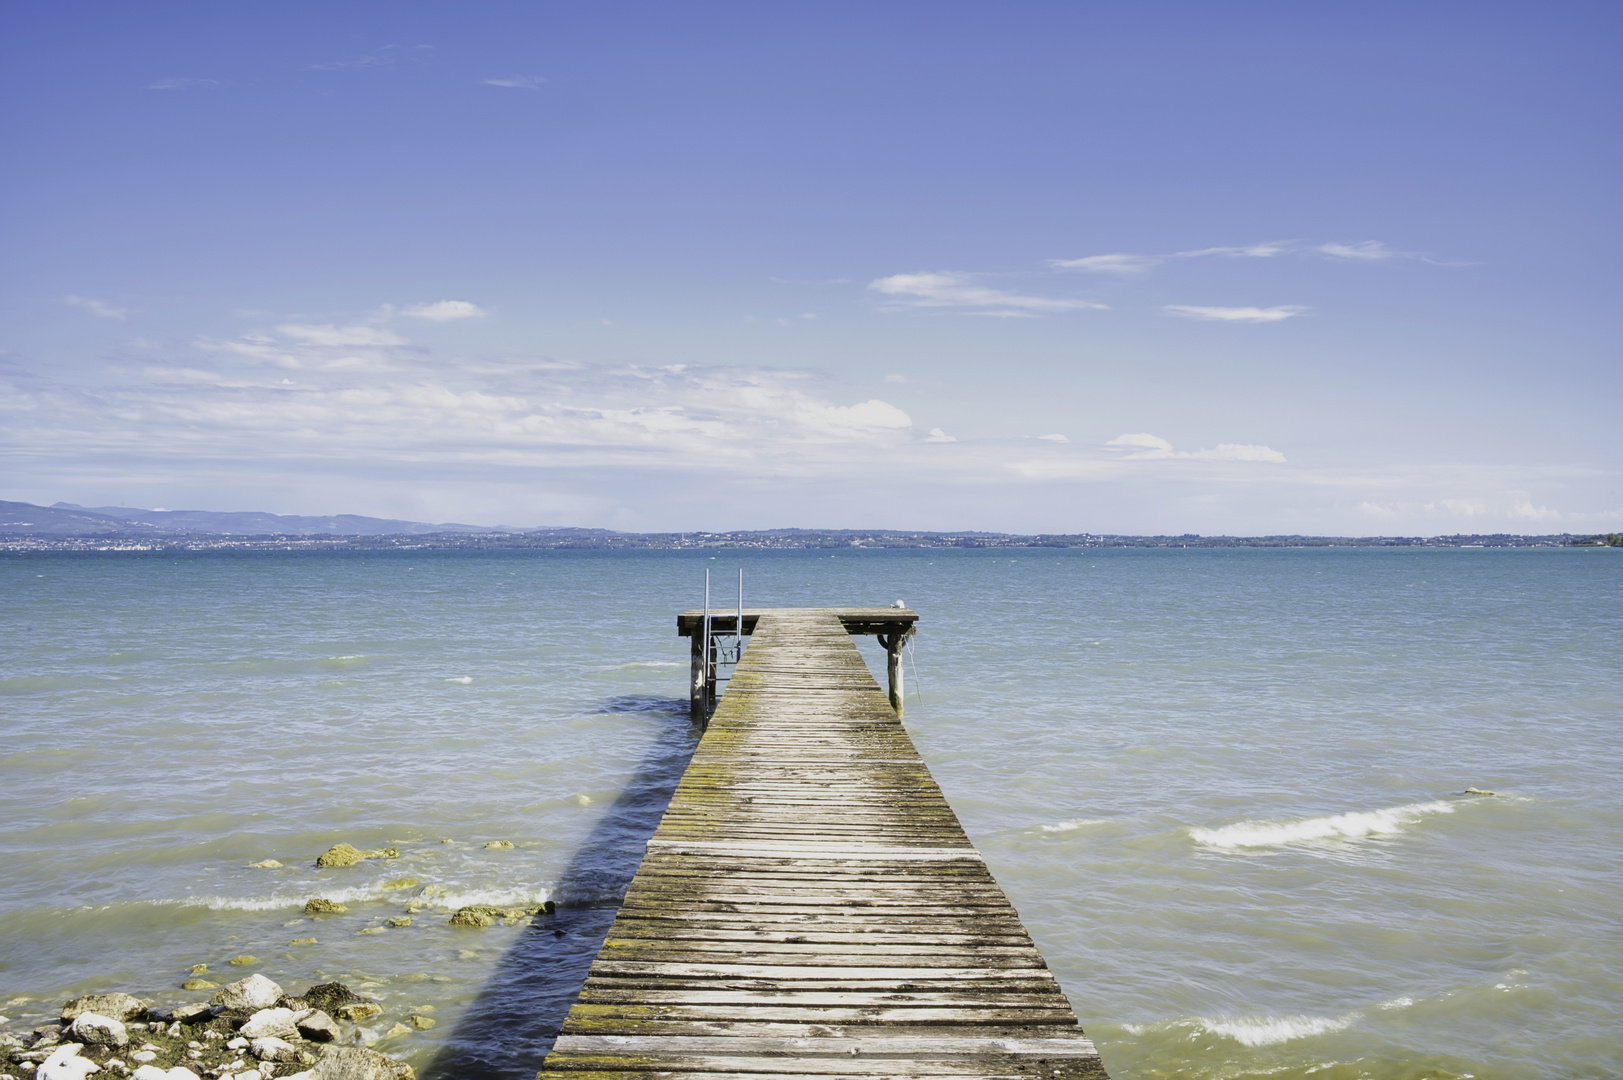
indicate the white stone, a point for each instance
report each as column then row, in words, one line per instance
column 98, row 1030
column 143, row 1056
column 66, row 1064
column 238, row 1043
column 272, row 1049
column 270, row 1023
column 249, row 995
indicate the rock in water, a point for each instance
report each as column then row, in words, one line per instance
column 99, row 1030
column 471, row 917
column 423, row 1023
column 243, row 961
column 355, row 1063
column 499, row 845
column 399, row 921
column 329, row 996
column 268, row 864
column 198, row 984
column 117, row 1006
column 349, row 855
column 316, row 1026
column 248, row 995
column 340, row 855
column 272, row 1024
column 359, row 1010
column 66, row 1064
column 273, row 1049
column 322, row 906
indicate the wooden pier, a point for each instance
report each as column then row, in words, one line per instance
column 809, row 905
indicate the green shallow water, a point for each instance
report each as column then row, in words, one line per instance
column 1225, row 788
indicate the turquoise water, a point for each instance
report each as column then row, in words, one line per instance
column 1227, row 789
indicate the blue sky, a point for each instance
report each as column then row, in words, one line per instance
column 1143, row 267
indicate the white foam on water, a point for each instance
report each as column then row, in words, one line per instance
column 1356, row 825
column 1272, row 1030
column 488, row 897
column 1072, row 824
column 642, row 663
column 463, row 679
column 358, row 894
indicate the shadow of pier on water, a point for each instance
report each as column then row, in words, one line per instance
column 507, row 1031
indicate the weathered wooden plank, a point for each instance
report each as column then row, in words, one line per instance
column 810, row 904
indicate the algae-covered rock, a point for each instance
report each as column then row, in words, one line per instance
column 323, row 906
column 401, row 883
column 265, row 864
column 372, row 930
column 117, row 1006
column 485, row 914
column 303, row 941
column 329, row 996
column 359, row 1010
column 200, row 969
column 499, row 844
column 340, row 855
column 349, row 855
column 471, row 917
column 399, row 921
column 199, row 984
column 243, row 961
column 423, row 1023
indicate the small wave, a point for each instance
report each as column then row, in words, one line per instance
column 1269, row 1030
column 354, row 895
column 450, row 898
column 463, row 679
column 642, row 663
column 1071, row 824
column 1351, row 826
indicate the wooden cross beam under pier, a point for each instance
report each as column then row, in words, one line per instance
column 892, row 625
column 810, row 905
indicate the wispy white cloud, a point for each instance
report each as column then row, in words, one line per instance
column 517, row 82
column 188, row 84
column 1246, row 251
column 387, row 56
column 1142, row 446
column 1363, row 251
column 98, row 308
column 1237, row 314
column 1054, row 438
column 937, row 436
column 949, row 289
column 1119, row 263
column 445, row 311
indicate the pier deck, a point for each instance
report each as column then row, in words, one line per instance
column 810, row 906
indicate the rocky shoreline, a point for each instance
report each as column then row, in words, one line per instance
column 249, row 1030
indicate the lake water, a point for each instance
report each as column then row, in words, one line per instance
column 1226, row 789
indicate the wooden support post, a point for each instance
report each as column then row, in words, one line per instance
column 698, row 704
column 893, row 666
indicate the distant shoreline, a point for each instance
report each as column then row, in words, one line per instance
column 69, row 527
column 765, row 540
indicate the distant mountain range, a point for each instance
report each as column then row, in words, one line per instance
column 68, row 519
column 67, row 527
